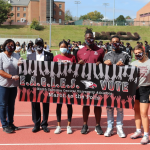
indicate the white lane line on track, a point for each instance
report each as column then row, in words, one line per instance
column 56, row 144
column 92, row 127
column 74, row 115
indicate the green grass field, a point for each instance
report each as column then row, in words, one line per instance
column 75, row 33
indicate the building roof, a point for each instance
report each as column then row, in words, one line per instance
column 20, row 2
column 59, row 2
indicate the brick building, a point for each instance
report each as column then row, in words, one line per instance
column 143, row 16
column 27, row 10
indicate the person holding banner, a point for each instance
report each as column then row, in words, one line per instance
column 9, row 80
column 142, row 99
column 40, row 55
column 62, row 58
column 90, row 54
column 120, row 58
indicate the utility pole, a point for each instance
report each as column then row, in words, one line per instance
column 114, row 14
column 77, row 2
column 105, row 4
column 50, row 23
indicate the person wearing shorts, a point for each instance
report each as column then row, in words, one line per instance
column 142, row 100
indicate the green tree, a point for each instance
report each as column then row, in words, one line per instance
column 121, row 18
column 94, row 16
column 35, row 25
column 68, row 16
column 5, row 9
column 128, row 17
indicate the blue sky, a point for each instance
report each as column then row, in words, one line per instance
column 122, row 7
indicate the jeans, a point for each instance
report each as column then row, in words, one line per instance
column 7, row 102
column 110, row 117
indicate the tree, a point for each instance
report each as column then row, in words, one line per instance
column 68, row 16
column 128, row 17
column 5, row 9
column 94, row 16
column 10, row 22
column 121, row 18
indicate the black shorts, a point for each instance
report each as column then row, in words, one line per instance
column 142, row 94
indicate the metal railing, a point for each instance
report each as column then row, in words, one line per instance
column 19, row 36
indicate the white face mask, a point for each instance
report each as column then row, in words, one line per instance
column 63, row 50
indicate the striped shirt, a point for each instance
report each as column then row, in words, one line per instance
column 9, row 65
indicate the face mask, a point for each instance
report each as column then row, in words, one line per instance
column 63, row 50
column 9, row 48
column 39, row 48
column 89, row 42
column 139, row 56
column 115, row 46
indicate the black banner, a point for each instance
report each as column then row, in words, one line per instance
column 68, row 83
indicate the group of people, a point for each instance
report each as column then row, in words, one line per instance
column 28, row 48
column 89, row 53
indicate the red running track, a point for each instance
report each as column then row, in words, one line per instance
column 25, row 139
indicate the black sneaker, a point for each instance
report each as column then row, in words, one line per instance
column 13, row 127
column 99, row 130
column 84, row 129
column 8, row 130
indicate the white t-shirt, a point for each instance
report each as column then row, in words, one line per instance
column 29, row 51
column 40, row 57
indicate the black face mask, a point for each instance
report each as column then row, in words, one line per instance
column 9, row 48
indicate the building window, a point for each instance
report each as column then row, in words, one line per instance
column 12, row 20
column 24, row 15
column 54, row 12
column 18, row 8
column 11, row 8
column 24, row 8
column 59, row 20
column 18, row 20
column 59, row 13
column 18, row 14
column 60, row 6
column 54, row 5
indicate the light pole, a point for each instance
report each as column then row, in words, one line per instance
column 77, row 2
column 105, row 4
column 114, row 14
column 50, row 24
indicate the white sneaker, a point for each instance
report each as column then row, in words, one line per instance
column 145, row 140
column 69, row 131
column 108, row 132
column 58, row 130
column 120, row 131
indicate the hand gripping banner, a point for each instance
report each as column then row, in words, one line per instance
column 68, row 83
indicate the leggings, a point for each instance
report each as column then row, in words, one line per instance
column 69, row 112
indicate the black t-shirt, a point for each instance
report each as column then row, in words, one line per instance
column 147, row 50
column 1, row 50
column 75, row 50
column 128, row 50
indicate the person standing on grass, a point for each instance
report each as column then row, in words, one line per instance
column 9, row 80
column 40, row 55
column 23, row 47
column 90, row 54
column 147, row 49
column 62, row 58
column 120, row 58
column 30, row 48
column 18, row 48
column 142, row 99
